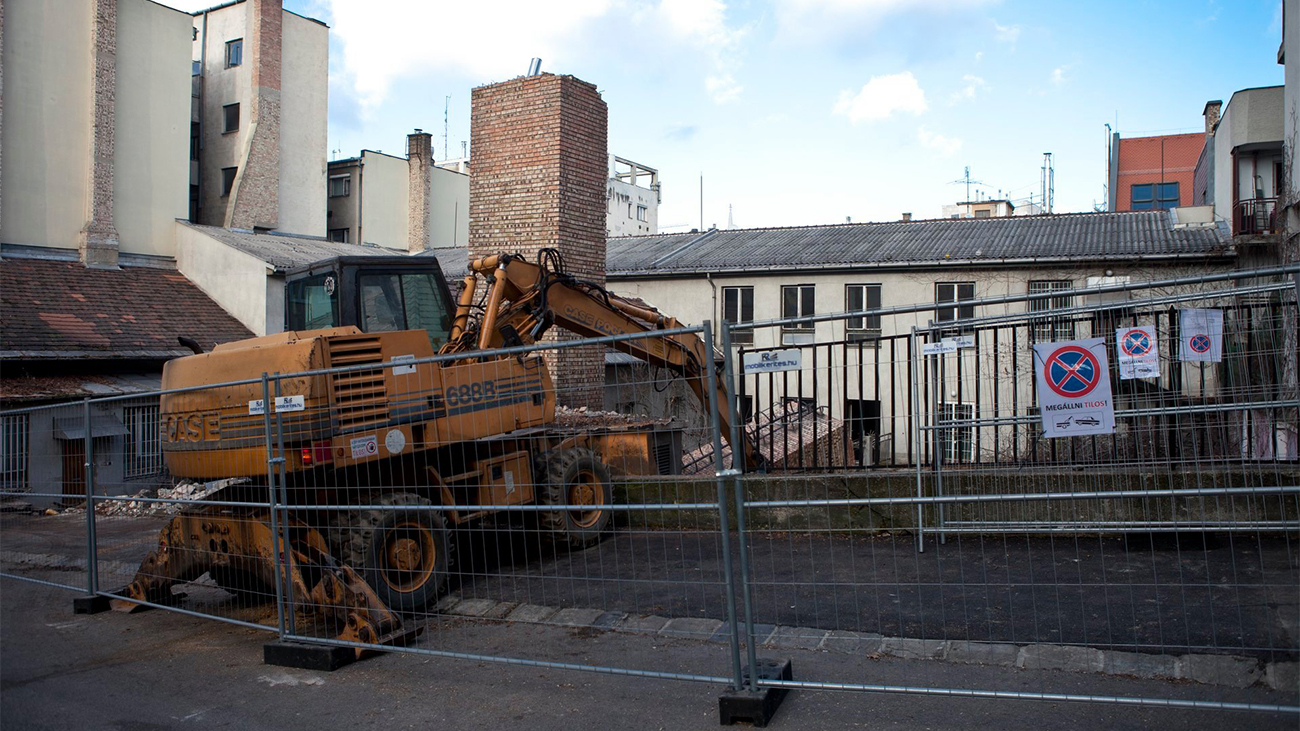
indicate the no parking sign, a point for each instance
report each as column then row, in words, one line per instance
column 1200, row 336
column 1138, row 356
column 1074, row 395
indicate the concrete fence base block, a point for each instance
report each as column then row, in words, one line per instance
column 304, row 656
column 473, row 607
column 1060, row 657
column 851, row 642
column 531, row 613
column 574, row 617
column 796, row 638
column 756, row 707
column 1229, row 670
column 697, row 627
column 649, row 623
column 91, row 604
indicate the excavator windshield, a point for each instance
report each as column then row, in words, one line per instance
column 376, row 294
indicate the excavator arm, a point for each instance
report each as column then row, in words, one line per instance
column 524, row 300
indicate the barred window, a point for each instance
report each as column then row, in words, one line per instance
column 1051, row 329
column 143, row 452
column 13, row 452
column 958, row 442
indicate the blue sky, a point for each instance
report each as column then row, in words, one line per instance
column 808, row 111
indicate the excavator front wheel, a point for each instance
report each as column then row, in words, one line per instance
column 577, row 479
column 403, row 553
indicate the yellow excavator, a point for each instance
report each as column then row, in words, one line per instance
column 382, row 454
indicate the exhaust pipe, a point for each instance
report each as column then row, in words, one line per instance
column 534, row 67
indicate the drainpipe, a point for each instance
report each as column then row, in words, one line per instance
column 717, row 335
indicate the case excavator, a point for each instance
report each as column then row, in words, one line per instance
column 383, row 452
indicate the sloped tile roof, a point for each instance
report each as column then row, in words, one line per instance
column 1083, row 236
column 61, row 309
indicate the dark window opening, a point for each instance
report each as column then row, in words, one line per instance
column 227, row 180
column 403, row 302
column 738, row 306
column 230, row 118
column 952, row 293
column 857, row 298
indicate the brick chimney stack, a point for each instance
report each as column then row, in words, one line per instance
column 255, row 195
column 419, row 160
column 98, row 242
column 539, row 145
column 1211, row 113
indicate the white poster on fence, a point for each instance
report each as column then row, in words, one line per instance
column 1074, row 395
column 1138, row 354
column 1200, row 336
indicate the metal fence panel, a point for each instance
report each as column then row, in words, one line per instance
column 913, row 506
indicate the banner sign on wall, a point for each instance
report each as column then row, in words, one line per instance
column 1200, row 336
column 1074, row 395
column 1139, row 356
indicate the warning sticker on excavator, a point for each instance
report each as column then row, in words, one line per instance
column 399, row 370
column 365, row 446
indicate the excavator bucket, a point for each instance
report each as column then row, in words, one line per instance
column 237, row 550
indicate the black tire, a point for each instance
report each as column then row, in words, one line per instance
column 404, row 555
column 575, row 477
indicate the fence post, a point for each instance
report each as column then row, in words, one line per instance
column 282, row 500
column 738, row 490
column 92, row 549
column 913, row 372
column 940, row 437
column 720, row 480
column 272, row 459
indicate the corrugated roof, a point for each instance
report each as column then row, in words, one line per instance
column 1087, row 236
column 285, row 252
column 61, row 309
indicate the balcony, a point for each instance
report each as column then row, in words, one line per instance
column 1254, row 217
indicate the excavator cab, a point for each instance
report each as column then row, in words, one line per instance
column 374, row 293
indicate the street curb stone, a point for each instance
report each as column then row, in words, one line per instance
column 576, row 617
column 796, row 638
column 914, row 649
column 1060, row 657
column 533, row 613
column 700, row 627
column 651, row 623
column 982, row 653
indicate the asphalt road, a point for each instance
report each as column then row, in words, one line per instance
column 1221, row 593
column 162, row 670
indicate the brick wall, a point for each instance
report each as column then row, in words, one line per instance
column 98, row 242
column 1168, row 158
column 538, row 180
column 255, row 196
column 419, row 160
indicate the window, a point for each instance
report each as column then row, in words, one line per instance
column 1148, row 196
column 982, row 214
column 403, row 302
column 950, row 293
column 640, row 213
column 1051, row 329
column 194, row 204
column 230, row 118
column 227, row 180
column 797, row 300
column 738, row 306
column 313, row 302
column 143, row 453
column 339, row 234
column 13, row 452
column 958, row 442
column 340, row 186
column 859, row 297
column 194, row 141
column 234, row 52
column 629, row 210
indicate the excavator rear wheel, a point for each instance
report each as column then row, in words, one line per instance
column 576, row 478
column 405, row 555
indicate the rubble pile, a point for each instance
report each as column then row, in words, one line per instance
column 131, row 506
column 791, row 437
column 585, row 417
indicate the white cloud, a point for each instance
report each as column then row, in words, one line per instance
column 973, row 85
column 1058, row 75
column 943, row 145
column 818, row 20
column 881, row 97
column 979, row 56
column 1008, row 34
column 703, row 24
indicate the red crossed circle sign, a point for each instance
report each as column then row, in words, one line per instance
column 1136, row 342
column 1200, row 343
column 1072, row 371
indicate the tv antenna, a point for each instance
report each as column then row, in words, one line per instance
column 968, row 182
column 446, row 109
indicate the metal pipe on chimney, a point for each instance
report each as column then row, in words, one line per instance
column 534, row 67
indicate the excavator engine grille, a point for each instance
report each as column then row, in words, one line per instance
column 360, row 400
